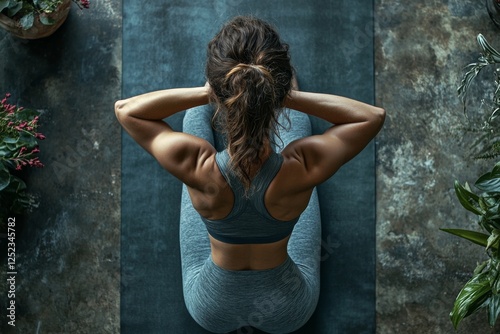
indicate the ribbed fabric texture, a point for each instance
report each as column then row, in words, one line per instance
column 278, row 300
column 249, row 222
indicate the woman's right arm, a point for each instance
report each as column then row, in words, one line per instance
column 355, row 124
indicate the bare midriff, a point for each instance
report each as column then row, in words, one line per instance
column 249, row 256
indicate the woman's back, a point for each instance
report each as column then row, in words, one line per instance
column 251, row 233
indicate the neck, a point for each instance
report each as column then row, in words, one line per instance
column 265, row 151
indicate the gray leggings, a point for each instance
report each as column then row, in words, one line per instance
column 278, row 300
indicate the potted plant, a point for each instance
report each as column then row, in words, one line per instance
column 18, row 150
column 32, row 19
column 482, row 291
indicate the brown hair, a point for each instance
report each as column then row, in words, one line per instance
column 249, row 71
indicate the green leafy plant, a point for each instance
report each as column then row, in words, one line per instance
column 482, row 291
column 26, row 11
column 488, row 139
column 18, row 149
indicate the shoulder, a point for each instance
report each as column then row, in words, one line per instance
column 312, row 160
column 189, row 158
column 307, row 162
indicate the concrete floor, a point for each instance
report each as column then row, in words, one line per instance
column 420, row 51
column 69, row 250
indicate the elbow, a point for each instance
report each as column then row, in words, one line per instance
column 379, row 116
column 121, row 109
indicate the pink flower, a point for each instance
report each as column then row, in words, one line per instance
column 85, row 3
column 39, row 136
column 4, row 100
column 35, row 162
column 19, row 167
column 35, row 150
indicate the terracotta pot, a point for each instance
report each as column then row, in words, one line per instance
column 38, row 30
column 494, row 10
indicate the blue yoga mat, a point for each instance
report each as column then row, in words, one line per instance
column 164, row 46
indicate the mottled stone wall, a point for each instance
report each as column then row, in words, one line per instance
column 421, row 48
column 67, row 250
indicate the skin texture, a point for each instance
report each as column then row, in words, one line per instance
column 307, row 162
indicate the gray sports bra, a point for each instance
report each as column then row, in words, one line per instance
column 249, row 222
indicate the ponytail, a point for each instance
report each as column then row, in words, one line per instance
column 250, row 74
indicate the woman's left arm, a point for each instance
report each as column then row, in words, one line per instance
column 142, row 117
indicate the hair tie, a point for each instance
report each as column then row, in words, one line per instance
column 256, row 67
column 241, row 66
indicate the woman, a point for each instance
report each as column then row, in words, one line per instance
column 249, row 269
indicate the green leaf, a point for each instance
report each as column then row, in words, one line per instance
column 492, row 212
column 26, row 114
column 12, row 147
column 27, row 21
column 476, row 237
column 495, row 287
column 496, row 169
column 488, row 49
column 471, row 298
column 468, row 78
column 4, row 4
column 4, row 177
column 480, row 267
column 487, row 224
column 483, row 204
column 10, row 140
column 493, row 239
column 46, row 20
column 490, row 182
column 14, row 7
column 495, row 216
column 493, row 309
column 467, row 198
column 27, row 140
column 43, row 6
